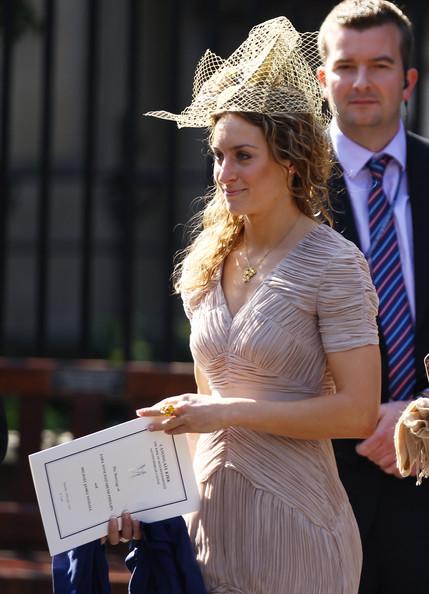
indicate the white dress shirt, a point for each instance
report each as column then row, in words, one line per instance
column 353, row 158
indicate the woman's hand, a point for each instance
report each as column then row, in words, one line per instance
column 130, row 530
column 188, row 413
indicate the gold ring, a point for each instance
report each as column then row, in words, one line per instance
column 167, row 409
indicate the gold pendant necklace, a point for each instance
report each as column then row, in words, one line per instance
column 248, row 273
column 252, row 270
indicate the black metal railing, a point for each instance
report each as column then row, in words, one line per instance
column 88, row 175
column 7, row 37
column 45, row 172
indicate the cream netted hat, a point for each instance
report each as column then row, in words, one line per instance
column 272, row 72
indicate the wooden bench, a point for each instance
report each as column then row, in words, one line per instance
column 87, row 386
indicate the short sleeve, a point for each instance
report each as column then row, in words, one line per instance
column 347, row 303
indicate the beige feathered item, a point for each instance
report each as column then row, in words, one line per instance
column 412, row 439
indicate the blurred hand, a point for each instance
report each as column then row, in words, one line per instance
column 380, row 447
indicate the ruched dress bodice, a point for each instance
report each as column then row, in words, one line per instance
column 274, row 517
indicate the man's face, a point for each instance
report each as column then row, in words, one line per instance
column 364, row 80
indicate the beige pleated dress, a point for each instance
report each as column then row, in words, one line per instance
column 274, row 517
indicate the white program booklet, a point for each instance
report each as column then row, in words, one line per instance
column 82, row 483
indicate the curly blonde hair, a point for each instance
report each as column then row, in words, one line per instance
column 214, row 231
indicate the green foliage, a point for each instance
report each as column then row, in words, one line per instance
column 109, row 342
column 24, row 18
column 11, row 405
column 56, row 414
column 56, row 417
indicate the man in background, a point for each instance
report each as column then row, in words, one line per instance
column 380, row 200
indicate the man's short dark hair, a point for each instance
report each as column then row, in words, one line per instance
column 364, row 14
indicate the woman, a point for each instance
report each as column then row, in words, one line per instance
column 284, row 336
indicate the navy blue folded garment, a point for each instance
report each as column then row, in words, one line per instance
column 82, row 570
column 162, row 562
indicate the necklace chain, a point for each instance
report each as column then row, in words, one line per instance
column 252, row 270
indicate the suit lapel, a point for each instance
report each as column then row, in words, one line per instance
column 417, row 165
column 341, row 207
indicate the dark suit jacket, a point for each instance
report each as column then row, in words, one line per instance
column 363, row 480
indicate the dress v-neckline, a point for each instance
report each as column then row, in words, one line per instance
column 256, row 290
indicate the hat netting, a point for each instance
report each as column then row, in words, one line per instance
column 272, row 72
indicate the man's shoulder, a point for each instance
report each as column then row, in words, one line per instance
column 417, row 142
column 417, row 159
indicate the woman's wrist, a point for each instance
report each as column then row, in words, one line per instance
column 237, row 412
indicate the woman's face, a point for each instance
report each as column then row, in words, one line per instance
column 252, row 182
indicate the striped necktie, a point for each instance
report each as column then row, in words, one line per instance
column 395, row 319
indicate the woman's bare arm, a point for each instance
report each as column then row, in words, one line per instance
column 351, row 412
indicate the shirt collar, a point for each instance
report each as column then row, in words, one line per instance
column 353, row 157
